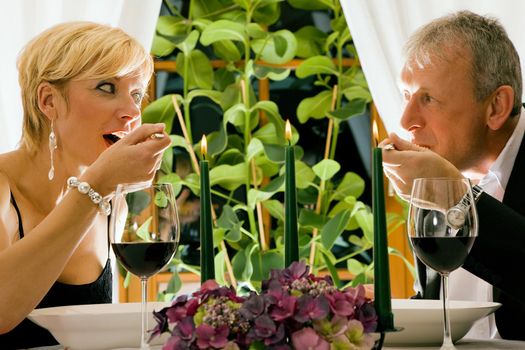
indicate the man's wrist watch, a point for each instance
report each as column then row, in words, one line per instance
column 457, row 215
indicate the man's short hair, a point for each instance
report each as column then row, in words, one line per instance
column 494, row 59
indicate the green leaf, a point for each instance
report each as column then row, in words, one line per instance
column 309, row 41
column 267, row 134
column 316, row 65
column 268, row 13
column 192, row 182
column 174, row 180
column 365, row 220
column 304, row 175
column 160, row 111
column 161, row 200
column 255, row 31
column 275, row 153
column 231, row 156
column 279, row 48
column 264, row 262
column 351, row 109
column 222, row 79
column 312, row 4
column 254, row 148
column 272, row 113
column 171, row 25
column 143, row 231
column 314, row 107
column 256, row 196
column 408, row 264
column 333, row 228
column 189, row 43
column 137, row 202
column 202, row 8
column 223, row 30
column 217, row 141
column 355, row 266
column 220, row 268
column 357, row 92
column 275, row 208
column 227, row 50
column 333, row 271
column 199, row 70
column 228, row 176
column 127, row 279
column 213, row 95
column 326, row 169
column 338, row 24
column 175, row 284
column 309, row 218
column 345, row 205
column 273, row 73
column 351, row 185
column 166, row 165
column 161, row 47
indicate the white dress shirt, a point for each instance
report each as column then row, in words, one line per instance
column 462, row 284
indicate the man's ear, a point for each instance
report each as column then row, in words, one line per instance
column 47, row 99
column 500, row 107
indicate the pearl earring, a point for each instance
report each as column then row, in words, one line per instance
column 52, row 148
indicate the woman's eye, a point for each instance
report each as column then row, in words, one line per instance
column 106, row 87
column 137, row 97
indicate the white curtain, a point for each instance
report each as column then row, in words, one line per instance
column 20, row 20
column 380, row 28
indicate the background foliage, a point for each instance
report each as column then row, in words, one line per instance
column 221, row 46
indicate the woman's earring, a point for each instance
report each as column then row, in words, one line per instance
column 52, row 148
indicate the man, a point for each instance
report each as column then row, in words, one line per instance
column 462, row 88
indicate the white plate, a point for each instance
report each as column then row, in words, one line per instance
column 98, row 326
column 422, row 320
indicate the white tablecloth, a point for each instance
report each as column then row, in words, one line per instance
column 493, row 344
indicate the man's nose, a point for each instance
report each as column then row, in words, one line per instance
column 411, row 118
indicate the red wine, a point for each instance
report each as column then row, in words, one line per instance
column 443, row 254
column 144, row 259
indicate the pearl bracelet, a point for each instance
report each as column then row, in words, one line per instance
column 83, row 187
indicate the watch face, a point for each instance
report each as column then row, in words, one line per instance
column 456, row 217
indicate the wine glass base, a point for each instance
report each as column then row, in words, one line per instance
column 145, row 347
column 448, row 347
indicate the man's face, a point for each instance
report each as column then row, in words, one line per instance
column 441, row 112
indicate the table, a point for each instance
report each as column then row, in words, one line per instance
column 473, row 344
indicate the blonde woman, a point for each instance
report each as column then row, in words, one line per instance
column 82, row 85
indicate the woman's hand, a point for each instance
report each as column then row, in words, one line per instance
column 135, row 158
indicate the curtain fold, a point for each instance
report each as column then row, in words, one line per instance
column 23, row 19
column 381, row 27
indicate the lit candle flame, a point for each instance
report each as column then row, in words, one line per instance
column 288, row 131
column 204, row 146
column 375, row 133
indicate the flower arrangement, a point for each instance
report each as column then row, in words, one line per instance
column 295, row 310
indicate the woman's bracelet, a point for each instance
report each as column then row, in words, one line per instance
column 83, row 187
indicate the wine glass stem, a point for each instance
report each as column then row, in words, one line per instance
column 447, row 340
column 144, row 312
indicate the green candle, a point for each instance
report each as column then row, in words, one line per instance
column 382, row 300
column 291, row 240
column 206, row 229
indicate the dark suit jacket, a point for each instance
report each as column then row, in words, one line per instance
column 498, row 254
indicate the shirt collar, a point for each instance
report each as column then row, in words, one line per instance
column 503, row 165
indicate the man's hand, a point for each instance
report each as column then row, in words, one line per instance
column 408, row 162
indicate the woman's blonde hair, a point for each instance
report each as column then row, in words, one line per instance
column 74, row 50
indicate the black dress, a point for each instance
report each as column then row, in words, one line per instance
column 27, row 334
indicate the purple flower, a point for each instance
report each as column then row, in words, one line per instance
column 308, row 339
column 341, row 304
column 176, row 343
column 185, row 329
column 264, row 327
column 253, row 306
column 366, row 314
column 309, row 308
column 282, row 305
column 209, row 337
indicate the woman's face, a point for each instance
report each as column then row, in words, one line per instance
column 97, row 113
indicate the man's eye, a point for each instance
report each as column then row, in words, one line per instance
column 106, row 87
column 426, row 98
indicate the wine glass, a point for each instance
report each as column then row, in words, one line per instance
column 442, row 227
column 144, row 233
